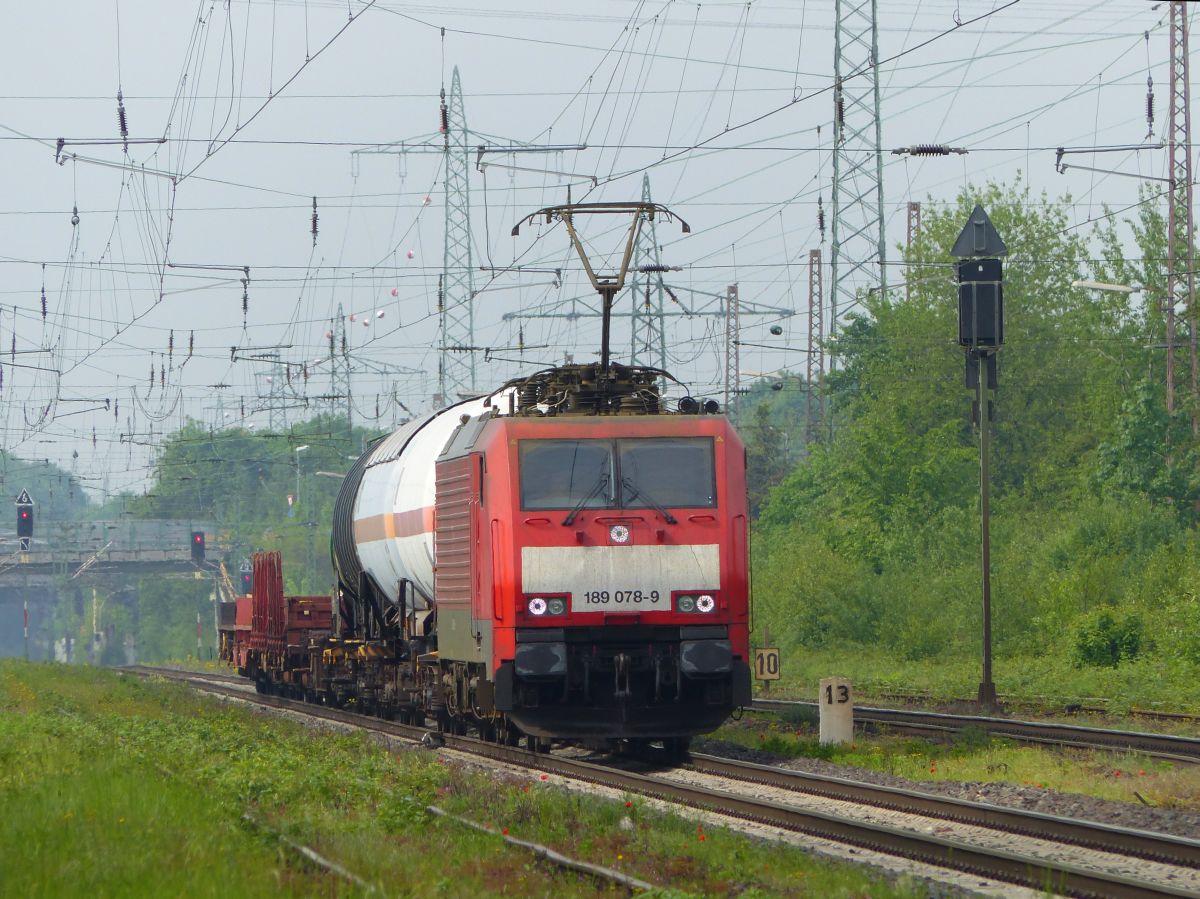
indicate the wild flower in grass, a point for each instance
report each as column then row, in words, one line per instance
column 544, row 777
column 1142, row 772
column 504, row 831
column 628, row 805
column 1117, row 772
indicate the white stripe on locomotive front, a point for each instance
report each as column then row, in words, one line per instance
column 580, row 570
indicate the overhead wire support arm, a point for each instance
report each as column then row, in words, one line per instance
column 531, row 148
column 62, row 143
column 484, row 166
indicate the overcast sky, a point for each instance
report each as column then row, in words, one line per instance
column 253, row 132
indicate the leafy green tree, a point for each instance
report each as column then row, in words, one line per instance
column 240, row 480
column 1152, row 453
column 894, row 495
column 766, row 453
column 58, row 495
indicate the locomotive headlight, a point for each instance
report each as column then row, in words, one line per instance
column 538, row 606
column 705, row 603
column 556, row 606
column 686, row 604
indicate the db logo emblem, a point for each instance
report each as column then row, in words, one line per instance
column 618, row 533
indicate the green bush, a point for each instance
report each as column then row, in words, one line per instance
column 1103, row 641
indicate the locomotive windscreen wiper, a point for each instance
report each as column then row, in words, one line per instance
column 601, row 483
column 636, row 491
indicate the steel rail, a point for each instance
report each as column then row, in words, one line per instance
column 1165, row 746
column 1090, row 834
column 1012, row 867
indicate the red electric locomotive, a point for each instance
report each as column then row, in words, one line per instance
column 563, row 559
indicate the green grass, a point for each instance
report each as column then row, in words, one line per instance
column 1044, row 681
column 116, row 786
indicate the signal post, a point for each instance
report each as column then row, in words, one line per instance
column 981, row 334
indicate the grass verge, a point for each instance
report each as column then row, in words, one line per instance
column 116, row 786
column 1043, row 682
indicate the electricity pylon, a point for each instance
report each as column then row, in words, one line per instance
column 858, row 225
column 456, row 290
column 649, row 331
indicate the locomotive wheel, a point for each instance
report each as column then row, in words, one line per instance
column 675, row 749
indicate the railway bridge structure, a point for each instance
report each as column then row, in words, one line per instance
column 68, row 563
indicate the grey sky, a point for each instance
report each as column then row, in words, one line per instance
column 629, row 78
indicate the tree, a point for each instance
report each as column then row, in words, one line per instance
column 892, row 500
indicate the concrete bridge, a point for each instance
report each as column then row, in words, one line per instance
column 69, row 559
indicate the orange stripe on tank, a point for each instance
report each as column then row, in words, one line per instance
column 393, row 526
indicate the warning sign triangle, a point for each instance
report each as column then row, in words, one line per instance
column 979, row 237
column 24, row 499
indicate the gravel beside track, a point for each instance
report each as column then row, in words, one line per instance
column 1072, row 805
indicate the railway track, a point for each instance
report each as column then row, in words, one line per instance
column 1036, row 705
column 1164, row 746
column 1137, row 863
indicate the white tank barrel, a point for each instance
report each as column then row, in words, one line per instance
column 383, row 516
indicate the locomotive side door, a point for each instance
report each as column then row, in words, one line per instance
column 481, row 572
column 457, row 535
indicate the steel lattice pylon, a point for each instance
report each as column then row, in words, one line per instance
column 858, row 226
column 814, row 402
column 649, row 331
column 339, row 367
column 732, row 353
column 1181, row 243
column 456, row 366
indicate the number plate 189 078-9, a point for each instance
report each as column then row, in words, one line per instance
column 630, row 600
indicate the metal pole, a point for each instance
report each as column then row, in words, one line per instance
column 606, row 298
column 766, row 685
column 216, row 607
column 26, row 630
column 1170, row 299
column 987, row 689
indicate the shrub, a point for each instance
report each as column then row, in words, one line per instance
column 1103, row 642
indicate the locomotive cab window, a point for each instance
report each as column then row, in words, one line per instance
column 562, row 474
column 674, row 472
column 625, row 473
